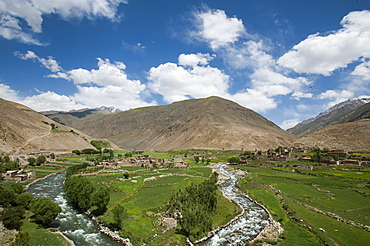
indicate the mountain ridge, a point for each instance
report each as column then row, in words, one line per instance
column 23, row 130
column 332, row 116
column 209, row 123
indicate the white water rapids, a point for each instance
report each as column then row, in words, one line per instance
column 73, row 224
column 247, row 226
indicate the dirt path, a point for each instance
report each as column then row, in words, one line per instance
column 17, row 150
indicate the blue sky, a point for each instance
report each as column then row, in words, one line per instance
column 287, row 60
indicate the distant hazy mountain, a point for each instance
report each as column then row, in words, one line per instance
column 72, row 117
column 340, row 113
column 23, row 130
column 346, row 136
column 210, row 123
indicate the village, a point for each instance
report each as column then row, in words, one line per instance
column 282, row 155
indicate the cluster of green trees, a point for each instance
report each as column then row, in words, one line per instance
column 15, row 203
column 233, row 160
column 36, row 161
column 83, row 195
column 86, row 152
column 6, row 164
column 202, row 159
column 197, row 205
column 320, row 155
column 100, row 144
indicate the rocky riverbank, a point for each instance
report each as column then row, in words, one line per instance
column 112, row 234
column 245, row 226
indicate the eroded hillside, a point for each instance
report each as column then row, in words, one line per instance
column 210, row 123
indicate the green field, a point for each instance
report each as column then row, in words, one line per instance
column 343, row 193
column 147, row 201
column 286, row 193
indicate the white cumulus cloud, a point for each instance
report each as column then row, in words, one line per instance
column 253, row 99
column 32, row 12
column 336, row 97
column 289, row 123
column 323, row 54
column 194, row 59
column 216, row 28
column 51, row 101
column 176, row 82
column 108, row 85
column 8, row 93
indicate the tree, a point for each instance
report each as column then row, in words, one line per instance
column 7, row 196
column 317, row 157
column 40, row 159
column 100, row 199
column 12, row 217
column 233, row 160
column 31, row 161
column 197, row 204
column 119, row 214
column 21, row 239
column 79, row 191
column 6, row 159
column 45, row 211
column 76, row 151
column 336, row 157
column 24, row 199
column 52, row 156
column 196, row 158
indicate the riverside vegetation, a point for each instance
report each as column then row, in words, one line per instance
column 324, row 206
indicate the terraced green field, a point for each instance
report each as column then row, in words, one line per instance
column 340, row 192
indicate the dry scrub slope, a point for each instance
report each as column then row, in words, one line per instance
column 23, row 130
column 210, row 123
column 347, row 136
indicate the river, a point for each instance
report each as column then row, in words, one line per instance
column 73, row 224
column 83, row 231
column 248, row 226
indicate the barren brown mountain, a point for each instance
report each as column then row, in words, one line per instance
column 210, row 123
column 23, row 130
column 347, row 136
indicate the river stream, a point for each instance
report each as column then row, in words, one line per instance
column 247, row 226
column 73, row 224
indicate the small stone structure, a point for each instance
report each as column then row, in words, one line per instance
column 18, row 175
column 146, row 162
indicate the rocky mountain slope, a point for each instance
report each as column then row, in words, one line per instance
column 23, row 130
column 210, row 123
column 340, row 113
column 74, row 116
column 346, row 136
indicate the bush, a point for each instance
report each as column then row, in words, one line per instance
column 45, row 211
column 12, row 217
column 89, row 151
column 76, row 151
column 79, row 191
column 233, row 160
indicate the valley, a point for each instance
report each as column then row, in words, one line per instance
column 132, row 173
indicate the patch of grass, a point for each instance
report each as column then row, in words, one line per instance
column 335, row 231
column 296, row 235
column 42, row 237
column 152, row 198
column 166, row 180
column 40, row 174
column 226, row 210
column 301, row 190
